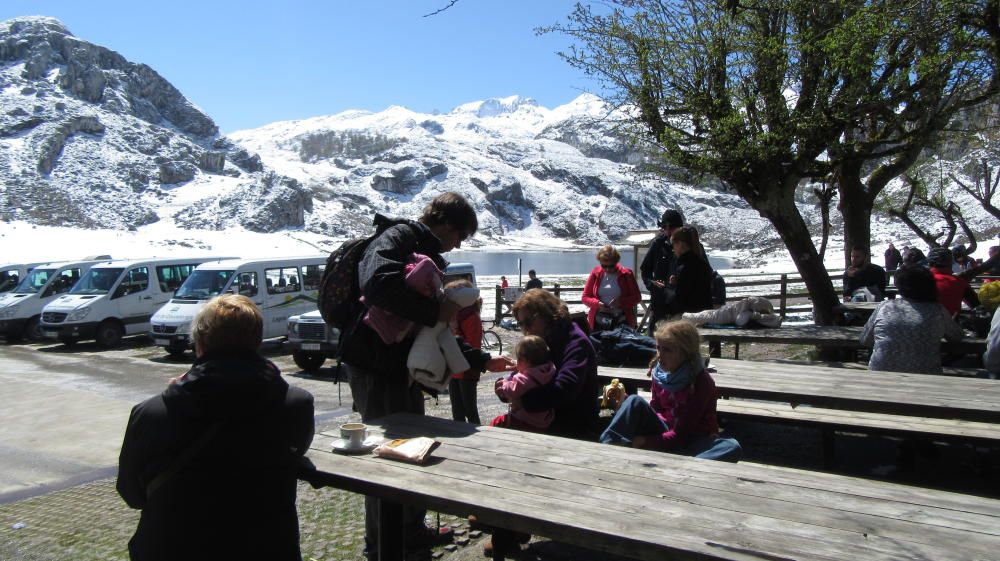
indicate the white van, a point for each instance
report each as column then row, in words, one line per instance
column 11, row 274
column 21, row 308
column 116, row 298
column 281, row 288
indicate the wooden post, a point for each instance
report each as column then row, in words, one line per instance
column 498, row 311
column 391, row 546
column 783, row 302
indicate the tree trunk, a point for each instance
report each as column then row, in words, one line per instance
column 855, row 207
column 785, row 218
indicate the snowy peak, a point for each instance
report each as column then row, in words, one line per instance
column 494, row 107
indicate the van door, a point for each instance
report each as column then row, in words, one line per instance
column 284, row 291
column 134, row 300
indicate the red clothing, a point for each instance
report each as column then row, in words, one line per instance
column 629, row 298
column 951, row 289
column 688, row 413
column 469, row 326
column 504, row 283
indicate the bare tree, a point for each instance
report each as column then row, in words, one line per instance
column 918, row 195
column 984, row 188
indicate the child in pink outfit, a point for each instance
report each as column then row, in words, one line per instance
column 423, row 276
column 533, row 370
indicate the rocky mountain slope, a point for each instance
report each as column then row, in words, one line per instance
column 91, row 140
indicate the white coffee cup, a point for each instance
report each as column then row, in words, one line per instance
column 353, row 434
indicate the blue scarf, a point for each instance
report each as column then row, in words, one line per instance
column 678, row 379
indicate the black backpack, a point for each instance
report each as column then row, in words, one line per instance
column 339, row 293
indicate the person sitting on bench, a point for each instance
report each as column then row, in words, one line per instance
column 680, row 417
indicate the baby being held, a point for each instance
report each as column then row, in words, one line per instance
column 533, row 369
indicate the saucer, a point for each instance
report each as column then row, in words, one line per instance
column 344, row 446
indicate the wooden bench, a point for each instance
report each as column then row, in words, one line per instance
column 839, row 336
column 654, row 506
column 831, row 421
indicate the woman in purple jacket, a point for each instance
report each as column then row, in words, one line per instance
column 572, row 394
column 680, row 417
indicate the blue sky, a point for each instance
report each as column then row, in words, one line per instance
column 254, row 62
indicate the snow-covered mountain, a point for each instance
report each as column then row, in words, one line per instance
column 90, row 141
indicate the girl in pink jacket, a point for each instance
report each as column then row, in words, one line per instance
column 533, row 370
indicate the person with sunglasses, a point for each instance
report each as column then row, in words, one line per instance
column 611, row 292
column 571, row 393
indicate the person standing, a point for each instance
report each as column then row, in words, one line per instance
column 212, row 460
column 863, row 274
column 533, row 281
column 689, row 288
column 657, row 265
column 380, row 382
column 468, row 325
column 503, row 282
column 610, row 291
column 893, row 258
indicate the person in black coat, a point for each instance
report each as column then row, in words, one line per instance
column 657, row 265
column 689, row 288
column 212, row 460
column 379, row 378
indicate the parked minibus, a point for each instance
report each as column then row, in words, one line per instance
column 116, row 298
column 11, row 274
column 281, row 288
column 21, row 308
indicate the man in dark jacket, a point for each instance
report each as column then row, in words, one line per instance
column 893, row 258
column 380, row 383
column 212, row 460
column 863, row 274
column 657, row 265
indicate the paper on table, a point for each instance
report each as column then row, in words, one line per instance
column 414, row 450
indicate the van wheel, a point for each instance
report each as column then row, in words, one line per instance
column 33, row 330
column 308, row 361
column 109, row 334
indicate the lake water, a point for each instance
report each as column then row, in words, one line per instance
column 562, row 262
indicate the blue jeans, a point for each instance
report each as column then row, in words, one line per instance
column 636, row 417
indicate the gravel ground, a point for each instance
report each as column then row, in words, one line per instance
column 89, row 522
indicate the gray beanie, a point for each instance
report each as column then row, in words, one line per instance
column 940, row 257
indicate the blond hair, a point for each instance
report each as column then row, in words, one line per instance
column 230, row 323
column 533, row 349
column 609, row 253
column 681, row 333
column 542, row 303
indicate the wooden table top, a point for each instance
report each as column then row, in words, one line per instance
column 653, row 506
column 920, row 395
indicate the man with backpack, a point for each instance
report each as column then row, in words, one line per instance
column 657, row 265
column 380, row 383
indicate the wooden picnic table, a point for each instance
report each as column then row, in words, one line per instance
column 915, row 395
column 841, row 336
column 653, row 506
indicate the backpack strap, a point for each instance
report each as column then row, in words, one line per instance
column 183, row 459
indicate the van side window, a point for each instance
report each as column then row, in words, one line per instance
column 172, row 276
column 135, row 280
column 311, row 275
column 246, row 284
column 281, row 280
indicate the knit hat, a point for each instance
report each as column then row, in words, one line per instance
column 959, row 250
column 671, row 219
column 913, row 257
column 940, row 257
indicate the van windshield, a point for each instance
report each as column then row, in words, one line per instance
column 202, row 285
column 35, row 281
column 97, row 281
